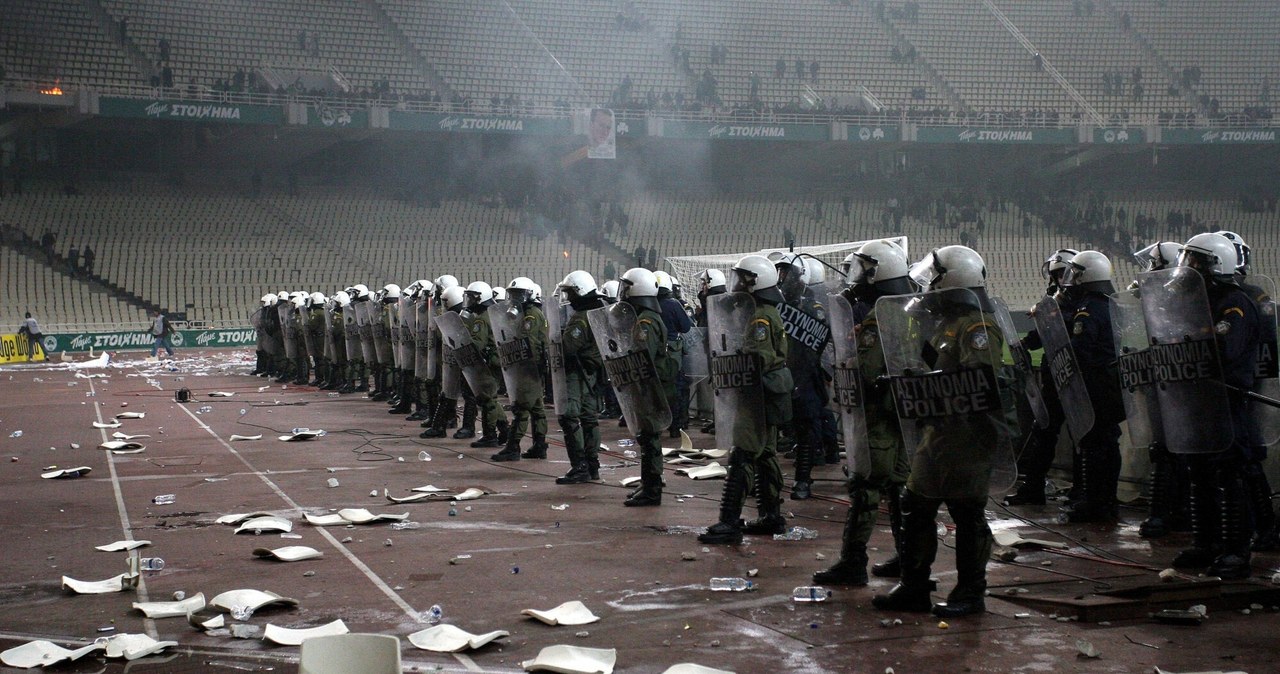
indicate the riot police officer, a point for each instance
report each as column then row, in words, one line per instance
column 638, row 287
column 493, row 422
column 957, row 448
column 520, row 330
column 710, row 283
column 754, row 393
column 878, row 269
column 575, row 354
column 677, row 323
column 804, row 319
column 450, row 299
column 264, row 347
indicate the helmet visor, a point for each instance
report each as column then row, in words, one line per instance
column 742, row 281
column 926, row 272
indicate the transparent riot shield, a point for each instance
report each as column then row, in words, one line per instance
column 735, row 372
column 1266, row 380
column 259, row 327
column 1194, row 410
column 351, row 332
column 848, row 383
column 1024, row 372
column 331, row 347
column 942, row 355
column 422, row 338
column 457, row 337
column 450, row 374
column 408, row 319
column 289, row 329
column 520, row 368
column 697, row 366
column 313, row 331
column 558, row 316
column 630, row 367
column 433, row 339
column 364, row 320
column 1137, row 376
column 1060, row 358
column 391, row 324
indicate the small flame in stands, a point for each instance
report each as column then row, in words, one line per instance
column 55, row 90
column 565, row 253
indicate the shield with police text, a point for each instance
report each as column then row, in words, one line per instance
column 380, row 322
column 806, row 324
column 1023, row 372
column 331, row 346
column 364, row 320
column 557, row 318
column 289, row 328
column 1137, row 374
column 351, row 333
column 433, row 336
column 520, row 367
column 630, row 367
column 695, row 364
column 259, row 327
column 313, row 331
column 735, row 372
column 1063, row 367
column 1194, row 409
column 422, row 337
column 457, row 337
column 848, row 382
column 942, row 356
column 408, row 319
column 1266, row 380
column 450, row 374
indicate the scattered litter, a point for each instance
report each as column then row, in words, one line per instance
column 582, row 634
column 450, row 639
column 405, row 525
column 65, row 472
column 458, row 558
column 373, row 492
column 120, row 445
column 131, row 415
column 120, row 583
column 302, row 434
column 387, row 543
column 628, row 481
column 562, row 506
column 568, row 613
column 1216, row 671
column 75, row 445
column 751, row 573
column 207, row 619
column 244, row 631
column 796, row 534
column 151, row 563
column 1192, row 616
column 688, row 556
column 236, row 518
column 179, row 595
column 98, row 424
column 171, row 609
column 573, row 660
column 1021, row 616
column 731, row 585
column 289, row 553
column 41, row 653
column 294, row 637
column 268, row 523
column 1087, row 649
column 707, row 472
column 352, row 516
column 424, row 456
column 164, row 499
column 690, row 668
column 332, row 482
column 221, row 394
column 243, row 603
column 238, row 438
column 263, row 388
column 122, row 545
column 16, row 434
column 810, row 593
column 434, row 615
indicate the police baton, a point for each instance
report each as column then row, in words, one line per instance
column 1272, row 402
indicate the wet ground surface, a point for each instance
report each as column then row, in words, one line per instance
column 641, row 571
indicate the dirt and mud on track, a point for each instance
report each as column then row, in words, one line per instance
column 641, row 570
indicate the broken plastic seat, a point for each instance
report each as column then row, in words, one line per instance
column 41, row 653
column 134, row 646
column 691, row 668
column 120, row 583
column 258, row 525
column 451, row 639
column 251, row 600
column 286, row 636
column 568, row 613
column 122, row 545
column 171, row 609
column 573, row 660
column 708, row 472
column 352, row 516
column 346, row 653
column 66, row 473
column 289, row 553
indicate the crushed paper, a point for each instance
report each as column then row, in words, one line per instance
column 568, row 613
column 258, row 525
column 289, row 553
column 171, row 609
column 707, row 472
column 294, row 637
column 41, row 653
column 450, row 639
column 238, row 438
column 122, row 545
column 66, row 473
column 573, row 660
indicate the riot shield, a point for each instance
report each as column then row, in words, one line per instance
column 391, row 316
column 450, row 374
column 351, row 332
column 558, row 316
column 313, row 331
column 520, row 368
column 289, row 329
column 735, row 373
column 697, row 367
column 408, row 318
column 1137, row 383
column 457, row 337
column 631, row 369
column 1194, row 410
column 331, row 347
column 380, row 323
column 1266, row 380
column 364, row 320
column 259, row 328
column 848, row 386
column 1060, row 358
column 422, row 338
column 942, row 367
column 1026, row 380
column 433, row 339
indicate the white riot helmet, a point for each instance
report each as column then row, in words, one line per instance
column 1243, row 252
column 446, row 281
column 815, row 273
column 1213, row 255
column 360, row 288
column 1085, row 268
column 711, row 279
column 390, row 293
column 881, row 265
column 521, row 289
column 341, row 298
column 637, row 282
column 499, row 294
column 791, row 275
column 610, row 290
column 299, row 300
column 479, row 293
column 950, row 267
column 1055, row 265
column 535, row 297
column 269, row 300
column 1159, row 255
column 452, row 297
column 316, row 300
column 753, row 273
column 663, row 279
column 578, row 284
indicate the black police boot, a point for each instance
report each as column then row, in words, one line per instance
column 1204, row 525
column 1162, row 476
column 404, row 395
column 973, row 550
column 257, row 364
column 362, row 385
column 1266, row 538
column 538, row 450
column 303, row 371
column 504, row 430
column 911, row 598
column 769, row 519
column 803, row 487
column 1233, row 563
column 851, row 568
column 467, row 428
column 444, row 406
column 593, row 466
column 1099, row 504
column 488, row 438
column 393, row 386
column 380, row 391
column 511, row 452
column 422, row 409
column 578, row 472
column 728, row 531
column 1030, row 492
column 650, row 492
column 892, row 567
column 919, row 545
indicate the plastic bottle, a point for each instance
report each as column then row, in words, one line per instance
column 808, row 593
column 434, row 614
column 16, row 434
column 731, row 585
column 300, row 429
column 151, row 563
column 796, row 534
column 242, row 612
column 424, row 456
column 164, row 499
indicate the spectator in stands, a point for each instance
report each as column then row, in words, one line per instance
column 302, row 40
column 166, row 77
column 754, row 94
column 1137, row 91
column 164, row 49
column 89, row 257
column 609, row 270
column 124, row 28
column 640, row 255
column 73, row 260
column 162, row 331
column 800, row 70
column 813, row 72
column 1125, row 21
column 47, row 242
column 31, row 329
column 653, row 258
column 779, row 69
